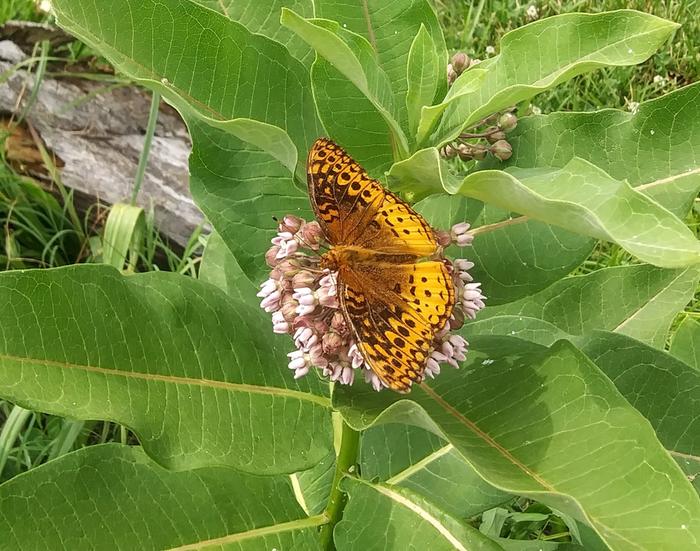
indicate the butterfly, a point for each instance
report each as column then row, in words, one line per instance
column 395, row 291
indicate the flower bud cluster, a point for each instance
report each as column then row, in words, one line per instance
column 490, row 135
column 303, row 300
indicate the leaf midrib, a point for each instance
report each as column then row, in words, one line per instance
column 282, row 527
column 172, row 379
column 443, row 530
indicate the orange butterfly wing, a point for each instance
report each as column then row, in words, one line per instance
column 394, row 304
column 354, row 209
column 394, row 311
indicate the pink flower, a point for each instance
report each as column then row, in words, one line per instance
column 303, row 301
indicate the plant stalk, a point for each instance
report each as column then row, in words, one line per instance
column 146, row 151
column 344, row 463
column 10, row 431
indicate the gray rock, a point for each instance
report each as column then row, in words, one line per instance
column 97, row 130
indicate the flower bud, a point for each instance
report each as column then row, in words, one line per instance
column 443, row 238
column 493, row 134
column 271, row 256
column 304, row 278
column 479, row 153
column 502, row 150
column 331, row 342
column 289, row 308
column 460, row 62
column 288, row 267
column 311, row 235
column 317, row 357
column 338, row 323
column 291, row 224
column 465, row 152
column 507, row 121
column 451, row 74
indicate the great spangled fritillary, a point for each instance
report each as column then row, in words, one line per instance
column 393, row 297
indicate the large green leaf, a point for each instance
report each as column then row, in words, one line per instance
column 390, row 27
column 411, row 457
column 379, row 517
column 523, row 327
column 220, row 268
column 241, row 188
column 665, row 390
column 263, row 17
column 656, row 149
column 539, row 56
column 549, row 425
column 686, row 342
column 353, row 56
column 351, row 119
column 579, row 197
column 114, row 497
column 184, row 366
column 207, row 66
column 639, row 301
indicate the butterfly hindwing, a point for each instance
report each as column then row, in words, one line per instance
column 395, row 325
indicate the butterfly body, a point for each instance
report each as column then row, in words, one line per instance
column 395, row 292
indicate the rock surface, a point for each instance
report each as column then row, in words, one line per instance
column 96, row 129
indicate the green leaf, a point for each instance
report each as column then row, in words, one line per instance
column 194, row 57
column 123, row 235
column 390, row 27
column 351, row 119
column 424, row 70
column 413, row 458
column 582, row 198
column 522, row 327
column 539, row 56
column 263, row 17
column 662, row 388
column 512, row 261
column 176, row 360
column 551, row 405
column 313, row 486
column 220, row 268
column 579, row 197
column 354, row 57
column 656, row 149
column 241, row 188
column 638, row 301
column 74, row 502
column 686, row 342
column 378, row 517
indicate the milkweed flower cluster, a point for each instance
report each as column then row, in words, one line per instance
column 304, row 303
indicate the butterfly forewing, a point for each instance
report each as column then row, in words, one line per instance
column 354, row 209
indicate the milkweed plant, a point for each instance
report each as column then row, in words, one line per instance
column 572, row 396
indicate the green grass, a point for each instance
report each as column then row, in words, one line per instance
column 472, row 26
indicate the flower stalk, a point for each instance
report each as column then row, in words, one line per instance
column 344, row 464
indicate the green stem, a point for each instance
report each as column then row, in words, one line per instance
column 10, row 431
column 145, row 152
column 346, row 460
